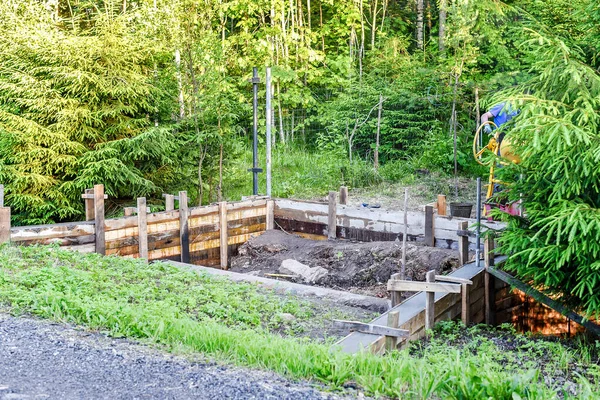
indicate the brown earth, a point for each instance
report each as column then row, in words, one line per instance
column 358, row 267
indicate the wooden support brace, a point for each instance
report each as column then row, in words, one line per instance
column 453, row 279
column 466, row 303
column 4, row 225
column 396, row 298
column 223, row 236
column 343, row 195
column 393, row 321
column 463, row 245
column 331, row 217
column 430, row 303
column 89, row 205
column 441, row 204
column 429, row 231
column 184, row 235
column 370, row 328
column 430, row 286
column 142, row 228
column 99, row 219
column 270, row 215
column 488, row 251
column 90, row 195
column 169, row 202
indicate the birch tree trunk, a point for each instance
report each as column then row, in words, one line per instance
column 420, row 24
column 442, row 28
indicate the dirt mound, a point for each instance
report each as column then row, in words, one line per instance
column 356, row 266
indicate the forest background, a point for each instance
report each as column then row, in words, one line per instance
column 153, row 96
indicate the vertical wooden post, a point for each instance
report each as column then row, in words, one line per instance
column 393, row 321
column 142, row 228
column 4, row 225
column 184, row 235
column 441, row 204
column 488, row 251
column 395, row 295
column 1, row 195
column 331, row 218
column 466, row 303
column 343, row 195
column 463, row 244
column 129, row 211
column 429, row 232
column 490, row 298
column 224, row 245
column 99, row 219
column 270, row 215
column 90, row 214
column 169, row 202
column 429, row 302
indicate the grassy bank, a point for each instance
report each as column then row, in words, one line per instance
column 234, row 322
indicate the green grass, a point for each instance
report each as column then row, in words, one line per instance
column 186, row 312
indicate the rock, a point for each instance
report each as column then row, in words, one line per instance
column 287, row 317
column 274, row 247
column 305, row 272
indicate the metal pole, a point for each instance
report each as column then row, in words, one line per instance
column 255, row 170
column 269, row 118
column 478, row 231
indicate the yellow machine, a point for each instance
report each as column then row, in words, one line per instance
column 501, row 147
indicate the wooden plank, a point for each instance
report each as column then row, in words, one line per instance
column 488, row 251
column 343, row 195
column 370, row 328
column 160, row 254
column 4, row 225
column 441, row 204
column 429, row 237
column 142, row 228
column 40, row 232
column 63, row 241
column 452, row 279
column 255, row 203
column 204, row 210
column 184, row 227
column 169, row 202
column 204, row 220
column 465, row 303
column 391, row 342
column 463, row 245
column 430, row 302
column 223, row 242
column 429, row 286
column 89, row 205
column 542, row 298
column 99, row 219
column 489, row 298
column 331, row 216
column 270, row 215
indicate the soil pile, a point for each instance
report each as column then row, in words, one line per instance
column 355, row 266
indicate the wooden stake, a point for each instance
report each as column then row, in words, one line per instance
column 429, row 232
column 343, row 195
column 429, row 303
column 169, row 202
column 89, row 205
column 142, row 228
column 270, row 215
column 129, row 211
column 184, row 235
column 463, row 244
column 466, row 305
column 331, row 218
column 224, row 246
column 395, row 295
column 393, row 321
column 404, row 234
column 441, row 205
column 4, row 225
column 99, row 219
column 488, row 251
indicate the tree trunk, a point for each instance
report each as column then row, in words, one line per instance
column 420, row 24
column 374, row 25
column 281, row 132
column 180, row 84
column 376, row 161
column 442, row 29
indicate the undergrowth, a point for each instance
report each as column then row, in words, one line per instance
column 187, row 312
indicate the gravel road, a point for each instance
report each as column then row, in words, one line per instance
column 42, row 360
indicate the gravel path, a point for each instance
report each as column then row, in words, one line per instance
column 42, row 360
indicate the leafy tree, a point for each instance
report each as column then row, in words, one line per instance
column 557, row 243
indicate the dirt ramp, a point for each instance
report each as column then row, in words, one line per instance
column 356, row 266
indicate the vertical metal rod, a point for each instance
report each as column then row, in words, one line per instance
column 255, row 81
column 269, row 120
column 478, row 231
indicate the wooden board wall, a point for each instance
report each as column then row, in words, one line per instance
column 367, row 224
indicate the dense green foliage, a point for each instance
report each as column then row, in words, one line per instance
column 187, row 312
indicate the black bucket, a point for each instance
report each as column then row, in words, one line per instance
column 462, row 210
